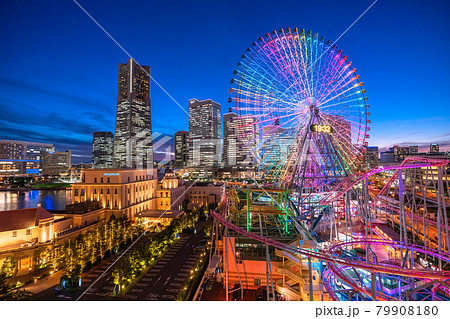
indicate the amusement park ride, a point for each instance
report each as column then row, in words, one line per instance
column 315, row 227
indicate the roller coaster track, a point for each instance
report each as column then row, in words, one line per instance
column 327, row 257
column 411, row 162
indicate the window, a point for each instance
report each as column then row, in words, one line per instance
column 115, row 203
column 82, row 192
column 115, row 191
column 95, row 191
column 95, row 179
column 101, row 191
column 101, row 180
column 76, row 192
column 107, row 180
column 128, row 190
column 107, row 192
column 15, row 233
column 128, row 178
column 167, row 194
column 28, row 231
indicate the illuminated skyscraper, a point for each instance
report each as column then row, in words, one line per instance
column 133, row 143
column 102, row 150
column 204, row 133
column 240, row 137
column 181, row 149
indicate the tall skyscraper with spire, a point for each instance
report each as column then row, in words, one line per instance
column 133, row 143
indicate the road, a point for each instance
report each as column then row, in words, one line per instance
column 162, row 281
column 166, row 277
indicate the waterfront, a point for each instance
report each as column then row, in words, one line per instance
column 49, row 199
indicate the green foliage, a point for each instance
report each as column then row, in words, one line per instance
column 9, row 293
column 130, row 267
column 79, row 254
column 8, row 267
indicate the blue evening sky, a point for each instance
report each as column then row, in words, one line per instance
column 58, row 74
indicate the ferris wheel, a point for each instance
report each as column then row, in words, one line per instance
column 302, row 110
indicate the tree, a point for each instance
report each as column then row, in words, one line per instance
column 40, row 256
column 8, row 267
column 8, row 293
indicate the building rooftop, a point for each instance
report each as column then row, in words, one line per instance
column 22, row 218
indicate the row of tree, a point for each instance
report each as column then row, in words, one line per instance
column 79, row 254
column 131, row 266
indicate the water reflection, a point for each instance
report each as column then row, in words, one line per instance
column 49, row 199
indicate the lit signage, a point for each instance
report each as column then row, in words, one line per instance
column 111, row 174
column 33, row 171
column 321, row 128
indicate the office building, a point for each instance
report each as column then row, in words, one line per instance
column 22, row 158
column 370, row 159
column 181, row 149
column 434, row 148
column 204, row 134
column 400, row 152
column 102, row 150
column 413, row 149
column 133, row 143
column 56, row 163
column 387, row 157
column 240, row 137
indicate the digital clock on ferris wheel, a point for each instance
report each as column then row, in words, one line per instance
column 321, row 128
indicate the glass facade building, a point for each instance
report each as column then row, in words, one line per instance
column 205, row 147
column 102, row 150
column 133, row 143
column 240, row 137
column 181, row 149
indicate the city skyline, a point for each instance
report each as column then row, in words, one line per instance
column 393, row 77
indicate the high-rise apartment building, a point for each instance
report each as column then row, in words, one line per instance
column 133, row 143
column 102, row 150
column 181, row 149
column 204, row 133
column 434, row 148
column 22, row 158
column 240, row 137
